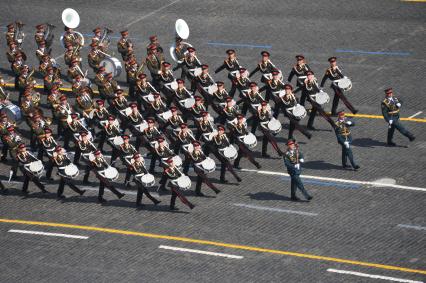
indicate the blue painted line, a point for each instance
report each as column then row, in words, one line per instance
column 373, row 52
column 327, row 184
column 239, row 45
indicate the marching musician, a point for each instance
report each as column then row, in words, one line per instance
column 111, row 129
column 109, row 87
column 231, row 109
column 184, row 137
column 289, row 100
column 344, row 138
column 265, row 66
column 299, row 70
column 292, row 160
column 240, row 129
column 198, row 107
column 153, row 61
column 175, row 120
column 24, row 158
column 61, row 113
column 99, row 164
column 181, row 93
column 203, row 80
column 153, row 41
column 95, row 56
column 125, row 45
column 37, row 126
column 84, row 104
column 39, row 34
column 220, row 141
column 143, row 88
column 25, row 80
column 333, row 73
column 390, row 110
column 273, row 87
column 83, row 146
column 60, row 160
column 132, row 70
column 10, row 34
column 101, row 113
column 72, row 53
column 70, row 37
column 197, row 156
column 118, row 103
column 166, row 77
column 45, row 62
column 137, row 167
column 157, row 106
column 253, row 98
column 13, row 51
column 16, row 67
column 74, row 70
column 29, row 104
column 96, row 35
column 263, row 116
column 230, row 64
column 42, row 50
column 309, row 87
column 171, row 172
column 13, row 140
column 204, row 125
column 50, row 79
column 47, row 144
column 8, row 136
column 190, row 61
column 241, row 82
column 180, row 49
column 124, row 150
column 161, row 150
column 220, row 95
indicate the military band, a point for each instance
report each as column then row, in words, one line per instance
column 163, row 116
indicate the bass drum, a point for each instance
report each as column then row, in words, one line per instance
column 112, row 65
column 12, row 111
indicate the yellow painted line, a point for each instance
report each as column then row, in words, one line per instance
column 214, row 243
column 369, row 116
column 419, row 1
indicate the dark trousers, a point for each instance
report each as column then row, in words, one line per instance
column 143, row 191
column 296, row 183
column 397, row 125
column 336, row 100
column 347, row 154
column 4, row 151
column 64, row 182
column 312, row 116
column 49, row 169
column 27, row 179
column 104, row 183
column 177, row 193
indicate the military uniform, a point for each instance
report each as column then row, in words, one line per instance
column 231, row 64
column 344, row 138
column 265, row 66
column 390, row 110
column 24, row 157
column 299, row 70
column 333, row 73
column 220, row 141
column 292, row 159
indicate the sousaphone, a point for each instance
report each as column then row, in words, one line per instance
column 182, row 31
column 71, row 19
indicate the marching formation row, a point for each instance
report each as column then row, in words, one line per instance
column 160, row 114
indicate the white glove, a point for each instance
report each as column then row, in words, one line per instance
column 348, row 123
column 398, row 105
column 301, row 160
column 297, row 166
column 346, row 144
column 390, row 122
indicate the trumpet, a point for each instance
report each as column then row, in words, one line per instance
column 19, row 34
column 105, row 39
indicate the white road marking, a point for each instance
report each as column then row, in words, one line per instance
column 275, row 209
column 374, row 184
column 415, row 227
column 416, row 114
column 150, row 14
column 373, row 276
column 200, row 252
column 48, row 234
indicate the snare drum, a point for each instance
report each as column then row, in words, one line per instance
column 321, row 97
column 298, row 111
column 36, row 168
column 126, row 112
column 71, row 171
column 274, row 126
column 188, row 102
column 112, row 65
column 196, row 72
column 147, row 180
column 212, row 89
column 111, row 173
column 250, row 140
column 177, row 161
column 174, row 85
column 183, row 182
column 12, row 111
column 117, row 141
column 207, row 165
column 344, row 84
column 165, row 115
column 230, row 152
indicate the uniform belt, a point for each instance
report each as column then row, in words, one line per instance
column 393, row 112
